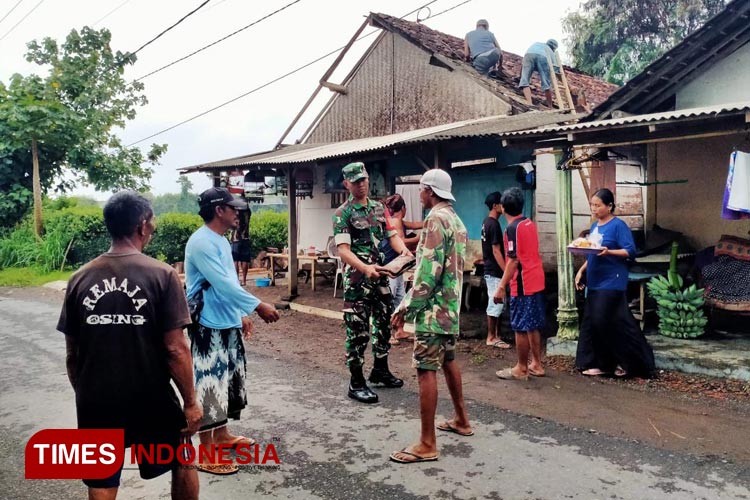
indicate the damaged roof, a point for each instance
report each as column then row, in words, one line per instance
column 451, row 47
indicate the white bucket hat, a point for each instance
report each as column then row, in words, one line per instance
column 440, row 182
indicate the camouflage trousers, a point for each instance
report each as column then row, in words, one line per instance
column 367, row 314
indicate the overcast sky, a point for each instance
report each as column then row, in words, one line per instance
column 285, row 41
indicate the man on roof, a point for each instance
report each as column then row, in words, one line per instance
column 538, row 58
column 482, row 50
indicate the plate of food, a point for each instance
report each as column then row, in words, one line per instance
column 583, row 246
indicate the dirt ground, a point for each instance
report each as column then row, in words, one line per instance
column 699, row 415
column 676, row 411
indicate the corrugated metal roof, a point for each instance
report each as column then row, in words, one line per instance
column 305, row 153
column 651, row 118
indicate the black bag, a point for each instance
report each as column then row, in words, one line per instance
column 195, row 306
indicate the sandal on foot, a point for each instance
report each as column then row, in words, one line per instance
column 593, row 372
column 394, row 341
column 620, row 372
column 448, row 426
column 535, row 373
column 415, row 458
column 219, row 469
column 508, row 374
column 238, row 440
column 500, row 344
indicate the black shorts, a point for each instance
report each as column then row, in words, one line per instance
column 241, row 251
column 147, row 470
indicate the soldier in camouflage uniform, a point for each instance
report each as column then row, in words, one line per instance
column 359, row 225
column 433, row 304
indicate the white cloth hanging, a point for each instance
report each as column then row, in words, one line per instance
column 739, row 189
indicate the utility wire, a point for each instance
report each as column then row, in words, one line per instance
column 446, row 10
column 300, row 68
column 105, row 16
column 22, row 19
column 11, row 10
column 218, row 41
column 175, row 24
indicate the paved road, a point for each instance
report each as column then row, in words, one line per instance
column 331, row 447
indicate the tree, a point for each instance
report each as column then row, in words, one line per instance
column 64, row 123
column 616, row 39
column 184, row 202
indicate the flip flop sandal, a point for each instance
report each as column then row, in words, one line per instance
column 535, row 373
column 219, row 469
column 417, row 458
column 447, row 427
column 238, row 440
column 394, row 341
column 507, row 374
column 593, row 372
column 620, row 372
column 500, row 344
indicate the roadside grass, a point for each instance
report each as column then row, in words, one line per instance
column 30, row 276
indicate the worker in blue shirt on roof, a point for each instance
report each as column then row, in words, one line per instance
column 536, row 58
column 482, row 50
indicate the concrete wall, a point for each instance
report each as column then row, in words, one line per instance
column 695, row 208
column 725, row 82
column 395, row 89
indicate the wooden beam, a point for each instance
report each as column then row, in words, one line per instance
column 324, row 82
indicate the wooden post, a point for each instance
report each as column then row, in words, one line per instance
column 293, row 262
column 651, row 189
column 567, row 313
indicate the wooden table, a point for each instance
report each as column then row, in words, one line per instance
column 313, row 259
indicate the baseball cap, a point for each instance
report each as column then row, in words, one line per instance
column 354, row 171
column 217, row 196
column 552, row 43
column 439, row 181
column 483, row 22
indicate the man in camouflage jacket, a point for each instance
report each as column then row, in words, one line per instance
column 359, row 225
column 433, row 304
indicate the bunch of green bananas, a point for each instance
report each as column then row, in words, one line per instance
column 680, row 311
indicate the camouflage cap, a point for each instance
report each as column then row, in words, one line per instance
column 354, row 172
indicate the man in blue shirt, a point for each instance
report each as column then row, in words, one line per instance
column 482, row 50
column 217, row 348
column 536, row 58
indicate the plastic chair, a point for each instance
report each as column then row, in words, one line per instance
column 333, row 251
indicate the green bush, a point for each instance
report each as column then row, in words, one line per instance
column 268, row 229
column 80, row 227
column 172, row 232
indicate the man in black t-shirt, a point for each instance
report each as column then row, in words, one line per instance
column 494, row 265
column 123, row 321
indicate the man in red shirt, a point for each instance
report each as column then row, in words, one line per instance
column 524, row 272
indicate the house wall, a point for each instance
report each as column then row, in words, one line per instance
column 725, row 82
column 545, row 204
column 395, row 90
column 629, row 201
column 314, row 215
column 695, row 208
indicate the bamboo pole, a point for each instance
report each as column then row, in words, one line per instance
column 553, row 80
column 564, row 81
